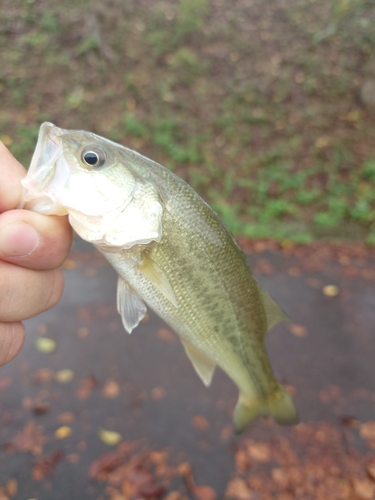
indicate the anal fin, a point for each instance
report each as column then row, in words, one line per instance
column 202, row 364
column 153, row 273
column 131, row 308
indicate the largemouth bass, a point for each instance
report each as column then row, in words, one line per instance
column 171, row 252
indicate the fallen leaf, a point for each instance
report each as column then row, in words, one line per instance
column 174, row 495
column 226, row 432
column 331, row 290
column 115, row 494
column 7, row 140
column 41, row 408
column 42, row 329
column 5, row 382
column 69, row 264
column 86, row 386
column 242, row 461
column 204, row 493
column 72, row 458
column 66, row 417
column 367, row 430
column 297, row 330
column 294, row 271
column 111, row 438
column 11, row 487
column 237, row 489
column 158, row 393
column 165, row 334
column 46, row 466
column 111, row 389
column 83, row 332
column 106, row 463
column 364, row 489
column 259, row 452
column 200, row 422
column 30, row 439
column 45, row 345
column 371, row 469
column 322, row 142
column 64, row 376
column 63, row 432
column 43, row 375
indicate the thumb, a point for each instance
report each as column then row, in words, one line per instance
column 12, row 336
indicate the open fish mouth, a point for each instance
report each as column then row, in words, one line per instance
column 48, row 174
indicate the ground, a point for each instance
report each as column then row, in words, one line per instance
column 266, row 108
column 88, row 411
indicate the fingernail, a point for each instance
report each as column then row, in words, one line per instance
column 18, row 239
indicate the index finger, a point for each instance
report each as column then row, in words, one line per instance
column 11, row 173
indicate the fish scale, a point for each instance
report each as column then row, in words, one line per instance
column 171, row 251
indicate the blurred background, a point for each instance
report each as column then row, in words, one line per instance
column 266, row 107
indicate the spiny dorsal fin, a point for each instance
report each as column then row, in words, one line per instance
column 273, row 312
column 202, row 364
column 157, row 277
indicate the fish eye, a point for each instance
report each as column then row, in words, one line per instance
column 93, row 157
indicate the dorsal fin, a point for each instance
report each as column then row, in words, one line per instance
column 273, row 312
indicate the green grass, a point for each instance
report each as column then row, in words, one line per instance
column 255, row 105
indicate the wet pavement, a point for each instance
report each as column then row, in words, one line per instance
column 137, row 398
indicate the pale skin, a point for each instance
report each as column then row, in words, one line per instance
column 32, row 247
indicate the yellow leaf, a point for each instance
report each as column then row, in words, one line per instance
column 63, row 432
column 64, row 376
column 331, row 290
column 7, row 140
column 111, row 438
column 45, row 345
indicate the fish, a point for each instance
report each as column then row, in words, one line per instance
column 172, row 253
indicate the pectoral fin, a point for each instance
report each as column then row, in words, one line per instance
column 202, row 364
column 154, row 274
column 131, row 308
column 273, row 312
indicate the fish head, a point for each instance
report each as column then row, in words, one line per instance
column 90, row 178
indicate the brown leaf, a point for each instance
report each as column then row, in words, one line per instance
column 157, row 393
column 242, row 461
column 66, row 418
column 30, row 439
column 11, row 488
column 237, row 489
column 364, row 489
column 259, row 452
column 111, row 389
column 200, row 422
column 5, row 382
column 371, row 469
column 86, row 386
column 297, row 330
column 108, row 462
column 165, row 334
column 367, row 430
column 42, row 376
column 204, row 493
column 46, row 466
column 41, row 408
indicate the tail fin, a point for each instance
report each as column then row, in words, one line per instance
column 279, row 404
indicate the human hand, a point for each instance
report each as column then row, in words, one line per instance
column 32, row 247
